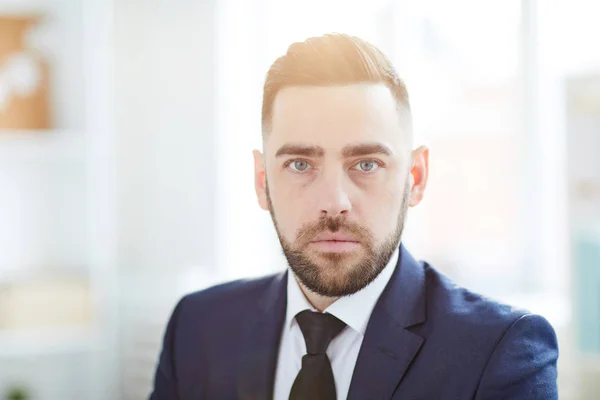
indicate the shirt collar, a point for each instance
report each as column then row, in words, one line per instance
column 354, row 310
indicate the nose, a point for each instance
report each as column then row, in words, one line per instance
column 333, row 195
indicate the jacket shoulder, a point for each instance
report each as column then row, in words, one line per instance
column 467, row 311
column 228, row 296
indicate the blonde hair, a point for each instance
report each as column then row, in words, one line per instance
column 331, row 59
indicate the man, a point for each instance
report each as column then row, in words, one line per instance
column 355, row 316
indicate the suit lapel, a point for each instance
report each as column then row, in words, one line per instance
column 388, row 347
column 261, row 344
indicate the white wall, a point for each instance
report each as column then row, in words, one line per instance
column 42, row 207
column 165, row 132
column 166, row 169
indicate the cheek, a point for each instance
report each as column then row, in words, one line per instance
column 292, row 208
column 384, row 206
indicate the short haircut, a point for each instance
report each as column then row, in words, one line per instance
column 331, row 59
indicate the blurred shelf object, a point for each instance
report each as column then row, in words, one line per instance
column 43, row 303
column 42, row 314
column 42, row 77
column 24, row 75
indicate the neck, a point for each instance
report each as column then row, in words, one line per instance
column 319, row 302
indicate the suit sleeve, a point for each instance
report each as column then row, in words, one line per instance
column 523, row 364
column 165, row 378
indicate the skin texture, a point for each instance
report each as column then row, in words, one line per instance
column 338, row 159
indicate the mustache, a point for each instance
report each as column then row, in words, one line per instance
column 333, row 224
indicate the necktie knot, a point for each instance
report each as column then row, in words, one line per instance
column 318, row 329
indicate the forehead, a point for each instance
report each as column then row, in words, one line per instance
column 334, row 116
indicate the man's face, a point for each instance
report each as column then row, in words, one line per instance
column 337, row 176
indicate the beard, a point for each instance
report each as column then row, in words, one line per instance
column 336, row 274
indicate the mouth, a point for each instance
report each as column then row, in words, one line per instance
column 335, row 246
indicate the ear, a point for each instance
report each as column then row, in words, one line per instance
column 419, row 173
column 260, row 179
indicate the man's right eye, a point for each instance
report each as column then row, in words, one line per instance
column 298, row 165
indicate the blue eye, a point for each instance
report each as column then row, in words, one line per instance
column 368, row 165
column 299, row 165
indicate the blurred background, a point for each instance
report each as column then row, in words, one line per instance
column 126, row 130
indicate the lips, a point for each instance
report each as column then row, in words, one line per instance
column 334, row 237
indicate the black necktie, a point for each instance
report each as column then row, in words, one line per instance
column 315, row 379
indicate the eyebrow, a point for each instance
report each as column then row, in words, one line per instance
column 365, row 149
column 351, row 150
column 300, row 150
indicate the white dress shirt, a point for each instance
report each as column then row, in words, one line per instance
column 354, row 310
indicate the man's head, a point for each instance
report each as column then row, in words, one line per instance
column 337, row 172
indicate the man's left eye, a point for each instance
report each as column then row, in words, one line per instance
column 367, row 166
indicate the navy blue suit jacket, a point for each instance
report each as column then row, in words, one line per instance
column 426, row 339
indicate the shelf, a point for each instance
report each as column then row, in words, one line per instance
column 23, row 343
column 42, row 145
column 21, row 7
